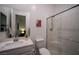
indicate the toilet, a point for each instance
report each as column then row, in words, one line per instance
column 41, row 49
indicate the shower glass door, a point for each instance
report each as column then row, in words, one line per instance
column 53, row 41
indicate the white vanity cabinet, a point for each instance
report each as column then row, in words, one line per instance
column 21, row 47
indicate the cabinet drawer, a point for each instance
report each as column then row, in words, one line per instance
column 18, row 50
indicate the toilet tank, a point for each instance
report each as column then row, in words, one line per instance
column 40, row 43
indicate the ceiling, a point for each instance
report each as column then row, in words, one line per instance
column 26, row 7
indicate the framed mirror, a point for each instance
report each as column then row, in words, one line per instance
column 21, row 23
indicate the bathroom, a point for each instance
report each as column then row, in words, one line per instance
column 56, row 25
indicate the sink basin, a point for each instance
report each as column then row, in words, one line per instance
column 12, row 45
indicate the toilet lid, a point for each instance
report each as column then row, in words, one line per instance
column 44, row 51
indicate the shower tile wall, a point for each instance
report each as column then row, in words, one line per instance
column 70, row 31
column 65, row 34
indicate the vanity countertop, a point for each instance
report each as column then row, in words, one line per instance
column 8, row 45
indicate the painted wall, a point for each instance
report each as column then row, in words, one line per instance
column 41, row 12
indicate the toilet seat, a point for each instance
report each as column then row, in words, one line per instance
column 44, row 51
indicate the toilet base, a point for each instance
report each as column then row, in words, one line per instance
column 44, row 51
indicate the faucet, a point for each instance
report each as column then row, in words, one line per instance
column 15, row 37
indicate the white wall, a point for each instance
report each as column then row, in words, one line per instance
column 41, row 12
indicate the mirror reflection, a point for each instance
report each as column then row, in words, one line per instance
column 2, row 22
column 20, row 25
